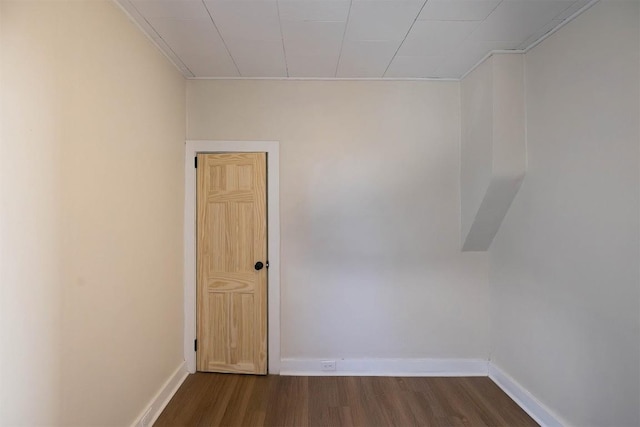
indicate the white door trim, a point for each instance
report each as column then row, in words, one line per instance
column 273, row 245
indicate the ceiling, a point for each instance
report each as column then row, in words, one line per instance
column 342, row 38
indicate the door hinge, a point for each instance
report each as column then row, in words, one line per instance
column 195, row 162
column 195, row 345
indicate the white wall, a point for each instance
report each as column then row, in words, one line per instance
column 564, row 266
column 476, row 99
column 493, row 146
column 370, row 213
column 91, row 215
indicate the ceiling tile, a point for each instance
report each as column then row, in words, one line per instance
column 366, row 58
column 467, row 55
column 517, row 20
column 311, row 65
column 197, row 44
column 186, row 36
column 249, row 20
column 381, row 20
column 538, row 34
column 313, row 10
column 414, row 66
column 304, row 38
column 210, row 65
column 146, row 27
column 433, row 38
column 258, row 58
column 457, row 10
column 175, row 9
column 313, row 38
column 576, row 6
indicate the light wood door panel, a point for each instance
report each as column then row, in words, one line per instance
column 232, row 237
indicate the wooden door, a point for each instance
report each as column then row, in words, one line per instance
column 232, row 239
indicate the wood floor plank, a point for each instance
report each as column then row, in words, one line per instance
column 288, row 403
column 239, row 401
column 394, row 402
column 256, row 411
column 214, row 408
column 420, row 398
column 324, row 405
column 206, row 399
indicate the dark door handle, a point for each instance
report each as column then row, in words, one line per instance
column 258, row 266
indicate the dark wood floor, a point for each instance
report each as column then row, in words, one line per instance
column 244, row 400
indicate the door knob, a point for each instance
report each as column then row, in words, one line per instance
column 258, row 265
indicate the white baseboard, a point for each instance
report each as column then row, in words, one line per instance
column 162, row 397
column 536, row 410
column 388, row 367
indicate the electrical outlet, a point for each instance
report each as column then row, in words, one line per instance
column 328, row 365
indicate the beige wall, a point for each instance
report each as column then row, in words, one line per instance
column 565, row 284
column 30, row 215
column 91, row 191
column 370, row 214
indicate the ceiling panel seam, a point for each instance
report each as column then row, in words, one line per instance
column 128, row 8
column 221, row 38
column 405, row 37
column 344, row 34
column 284, row 49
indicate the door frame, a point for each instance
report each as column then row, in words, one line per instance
column 272, row 148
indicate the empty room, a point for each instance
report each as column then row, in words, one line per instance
column 320, row 213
